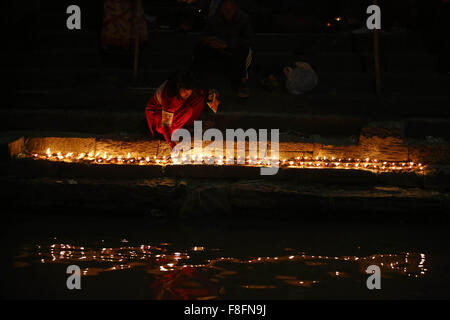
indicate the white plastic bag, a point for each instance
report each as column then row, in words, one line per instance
column 300, row 79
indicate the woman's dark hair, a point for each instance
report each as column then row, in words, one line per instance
column 181, row 79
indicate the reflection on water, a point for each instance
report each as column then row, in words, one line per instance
column 200, row 272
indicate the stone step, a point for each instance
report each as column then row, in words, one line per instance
column 167, row 198
column 326, row 100
column 322, row 62
column 299, row 136
column 263, row 42
column 134, row 123
column 38, row 169
column 329, row 82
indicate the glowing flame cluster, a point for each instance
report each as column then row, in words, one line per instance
column 367, row 163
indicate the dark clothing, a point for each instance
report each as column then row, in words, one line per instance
column 236, row 33
column 233, row 62
column 235, row 59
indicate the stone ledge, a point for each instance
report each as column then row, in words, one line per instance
column 30, row 168
column 389, row 148
column 11, row 145
column 181, row 198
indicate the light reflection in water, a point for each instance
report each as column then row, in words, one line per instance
column 175, row 267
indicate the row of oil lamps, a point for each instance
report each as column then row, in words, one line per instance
column 298, row 162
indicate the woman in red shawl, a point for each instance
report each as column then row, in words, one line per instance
column 177, row 103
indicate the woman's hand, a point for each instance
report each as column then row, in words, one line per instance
column 212, row 94
column 213, row 101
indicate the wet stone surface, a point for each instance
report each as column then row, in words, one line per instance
column 202, row 198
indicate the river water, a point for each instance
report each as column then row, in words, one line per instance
column 139, row 259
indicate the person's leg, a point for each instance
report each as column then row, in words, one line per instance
column 240, row 62
column 204, row 58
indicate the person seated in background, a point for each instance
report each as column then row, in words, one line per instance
column 227, row 42
column 177, row 103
